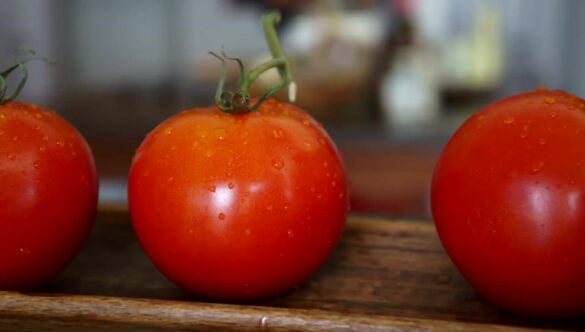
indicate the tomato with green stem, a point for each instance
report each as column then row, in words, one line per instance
column 242, row 200
column 48, row 190
column 508, row 200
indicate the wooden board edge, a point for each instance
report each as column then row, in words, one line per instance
column 72, row 310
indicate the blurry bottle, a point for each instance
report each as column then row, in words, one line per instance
column 409, row 89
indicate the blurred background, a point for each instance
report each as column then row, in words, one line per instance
column 389, row 79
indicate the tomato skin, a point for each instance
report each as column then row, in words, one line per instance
column 508, row 200
column 238, row 207
column 48, row 195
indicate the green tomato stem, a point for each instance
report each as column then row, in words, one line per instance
column 239, row 102
column 21, row 66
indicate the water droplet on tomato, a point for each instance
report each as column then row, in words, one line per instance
column 278, row 163
column 60, row 143
column 221, row 216
column 277, row 133
column 508, row 120
column 37, row 164
column 42, row 148
column 306, row 122
column 290, row 233
column 24, row 251
column 220, row 134
column 168, row 131
column 231, row 185
column 550, row 100
column 38, row 115
column 553, row 114
column 536, row 167
column 286, row 207
column 212, row 189
column 11, row 156
column 523, row 134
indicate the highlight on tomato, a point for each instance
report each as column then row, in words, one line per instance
column 48, row 190
column 508, row 200
column 242, row 200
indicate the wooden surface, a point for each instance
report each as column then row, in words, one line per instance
column 384, row 275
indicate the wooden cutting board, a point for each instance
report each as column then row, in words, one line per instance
column 385, row 275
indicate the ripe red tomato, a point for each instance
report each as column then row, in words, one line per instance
column 48, row 195
column 508, row 199
column 238, row 207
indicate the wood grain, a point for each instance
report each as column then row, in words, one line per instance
column 384, row 276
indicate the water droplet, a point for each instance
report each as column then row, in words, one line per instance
column 270, row 208
column 306, row 122
column 38, row 115
column 286, row 207
column 212, row 189
column 46, row 138
column 290, row 233
column 231, row 185
column 221, row 216
column 11, row 156
column 42, row 148
column 264, row 323
column 277, row 133
column 508, row 120
column 60, row 143
column 308, row 145
column 550, row 100
column 524, row 132
column 168, row 131
column 553, row 114
column 24, row 251
column 537, row 166
column 278, row 163
column 37, row 164
column 542, row 141
column 170, row 179
column 220, row 134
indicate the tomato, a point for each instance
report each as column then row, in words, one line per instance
column 508, row 200
column 238, row 207
column 48, row 195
